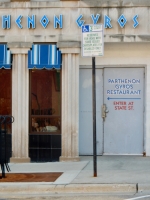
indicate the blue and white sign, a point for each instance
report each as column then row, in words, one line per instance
column 92, row 40
column 58, row 21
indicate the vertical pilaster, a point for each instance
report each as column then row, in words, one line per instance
column 70, row 104
column 20, row 103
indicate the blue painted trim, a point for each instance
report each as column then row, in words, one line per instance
column 5, row 57
column 2, row 66
column 44, row 57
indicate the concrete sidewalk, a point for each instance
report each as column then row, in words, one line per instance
column 116, row 169
column 115, row 174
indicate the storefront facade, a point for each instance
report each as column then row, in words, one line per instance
column 62, row 96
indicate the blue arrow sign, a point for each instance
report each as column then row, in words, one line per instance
column 109, row 98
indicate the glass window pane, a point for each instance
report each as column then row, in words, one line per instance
column 45, row 99
column 5, row 94
column 45, row 124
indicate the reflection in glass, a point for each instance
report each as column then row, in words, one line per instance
column 5, row 94
column 45, row 101
column 45, row 124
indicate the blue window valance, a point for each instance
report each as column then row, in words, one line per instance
column 5, row 57
column 44, row 56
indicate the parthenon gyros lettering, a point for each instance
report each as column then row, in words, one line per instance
column 58, row 21
column 123, row 92
column 120, row 81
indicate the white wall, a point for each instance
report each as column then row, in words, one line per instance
column 71, row 10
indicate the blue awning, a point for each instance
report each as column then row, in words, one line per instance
column 5, row 57
column 44, row 56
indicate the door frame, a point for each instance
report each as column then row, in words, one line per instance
column 144, row 97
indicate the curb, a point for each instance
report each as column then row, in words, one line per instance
column 143, row 187
column 66, row 189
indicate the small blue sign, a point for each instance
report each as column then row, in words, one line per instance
column 85, row 28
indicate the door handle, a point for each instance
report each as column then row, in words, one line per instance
column 104, row 111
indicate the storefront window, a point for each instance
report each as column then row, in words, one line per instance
column 45, row 101
column 5, row 94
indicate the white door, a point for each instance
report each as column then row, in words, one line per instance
column 121, row 131
column 123, row 97
column 85, row 112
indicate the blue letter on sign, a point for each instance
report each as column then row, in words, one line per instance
column 58, row 21
column 31, row 21
column 95, row 19
column 44, row 21
column 6, row 21
column 107, row 23
column 18, row 21
column 122, row 21
column 136, row 23
column 79, row 21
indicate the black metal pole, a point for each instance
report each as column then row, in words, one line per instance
column 94, row 117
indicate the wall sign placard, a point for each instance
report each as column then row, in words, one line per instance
column 92, row 40
column 123, row 93
column 58, row 21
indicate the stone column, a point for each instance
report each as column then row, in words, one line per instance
column 70, row 100
column 20, row 102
